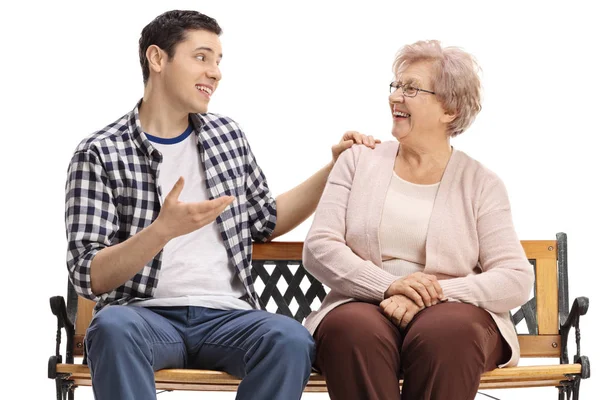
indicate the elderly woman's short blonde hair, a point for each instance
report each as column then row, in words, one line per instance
column 455, row 79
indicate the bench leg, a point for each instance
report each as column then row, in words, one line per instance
column 64, row 390
column 576, row 389
column 562, row 392
column 59, row 388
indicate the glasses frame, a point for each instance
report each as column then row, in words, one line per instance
column 394, row 86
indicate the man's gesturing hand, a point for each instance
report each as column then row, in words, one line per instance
column 178, row 218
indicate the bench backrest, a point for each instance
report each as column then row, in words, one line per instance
column 285, row 287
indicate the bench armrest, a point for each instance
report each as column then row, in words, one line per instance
column 59, row 308
column 579, row 308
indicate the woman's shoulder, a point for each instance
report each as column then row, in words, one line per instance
column 474, row 169
column 361, row 154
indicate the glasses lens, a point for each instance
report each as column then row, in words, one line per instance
column 409, row 91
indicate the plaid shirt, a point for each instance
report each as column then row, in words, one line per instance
column 112, row 193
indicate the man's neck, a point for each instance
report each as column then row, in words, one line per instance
column 161, row 118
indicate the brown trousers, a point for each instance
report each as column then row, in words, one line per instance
column 441, row 354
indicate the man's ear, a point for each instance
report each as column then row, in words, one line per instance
column 156, row 58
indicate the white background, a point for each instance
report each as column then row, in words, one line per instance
column 296, row 75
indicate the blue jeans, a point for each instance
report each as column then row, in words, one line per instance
column 271, row 353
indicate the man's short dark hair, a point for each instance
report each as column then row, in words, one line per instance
column 169, row 29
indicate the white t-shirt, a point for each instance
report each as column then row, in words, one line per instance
column 196, row 270
column 404, row 225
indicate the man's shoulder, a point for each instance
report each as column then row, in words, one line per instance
column 113, row 135
column 213, row 120
column 219, row 128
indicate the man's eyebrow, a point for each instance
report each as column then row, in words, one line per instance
column 207, row 49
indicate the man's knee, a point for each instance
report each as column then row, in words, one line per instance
column 287, row 338
column 289, row 332
column 111, row 328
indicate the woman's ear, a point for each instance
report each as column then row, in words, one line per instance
column 448, row 117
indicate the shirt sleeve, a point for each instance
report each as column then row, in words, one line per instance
column 91, row 218
column 262, row 209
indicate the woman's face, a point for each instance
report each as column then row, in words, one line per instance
column 422, row 115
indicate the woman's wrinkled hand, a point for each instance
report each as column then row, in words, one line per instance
column 423, row 289
column 400, row 310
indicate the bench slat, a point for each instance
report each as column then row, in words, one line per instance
column 275, row 251
column 539, row 345
column 546, row 286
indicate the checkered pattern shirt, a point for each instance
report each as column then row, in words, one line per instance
column 112, row 193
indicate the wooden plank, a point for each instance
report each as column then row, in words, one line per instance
column 538, row 249
column 539, row 345
column 535, row 249
column 277, row 251
column 515, row 385
column 546, row 289
column 532, row 372
column 85, row 310
column 193, row 376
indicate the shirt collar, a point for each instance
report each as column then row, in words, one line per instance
column 142, row 142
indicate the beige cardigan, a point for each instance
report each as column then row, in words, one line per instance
column 472, row 246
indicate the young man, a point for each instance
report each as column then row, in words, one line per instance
column 161, row 209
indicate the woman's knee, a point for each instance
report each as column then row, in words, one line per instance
column 453, row 331
column 357, row 326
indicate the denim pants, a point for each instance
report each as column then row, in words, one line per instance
column 271, row 353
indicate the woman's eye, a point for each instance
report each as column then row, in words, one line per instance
column 201, row 57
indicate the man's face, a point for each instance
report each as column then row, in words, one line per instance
column 192, row 75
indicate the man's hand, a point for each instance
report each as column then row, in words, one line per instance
column 423, row 289
column 400, row 310
column 349, row 139
column 177, row 218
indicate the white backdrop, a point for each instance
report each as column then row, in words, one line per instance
column 296, row 75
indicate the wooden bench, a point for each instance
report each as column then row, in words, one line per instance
column 543, row 324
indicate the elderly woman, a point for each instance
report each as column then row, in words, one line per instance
column 416, row 241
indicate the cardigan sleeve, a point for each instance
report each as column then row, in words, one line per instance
column 326, row 254
column 507, row 277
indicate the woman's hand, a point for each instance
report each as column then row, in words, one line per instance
column 400, row 310
column 423, row 289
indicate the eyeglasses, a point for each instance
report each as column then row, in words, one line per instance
column 407, row 90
